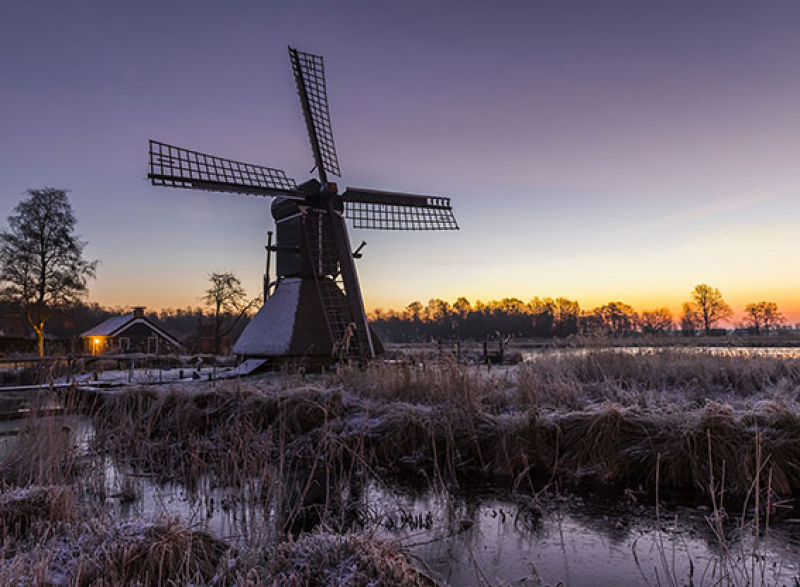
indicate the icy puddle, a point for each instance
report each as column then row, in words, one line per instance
column 482, row 538
column 489, row 537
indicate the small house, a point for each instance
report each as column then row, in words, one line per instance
column 132, row 333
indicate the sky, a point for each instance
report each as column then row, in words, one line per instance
column 615, row 150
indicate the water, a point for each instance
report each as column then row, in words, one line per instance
column 583, row 543
column 499, row 538
column 534, row 354
column 487, row 535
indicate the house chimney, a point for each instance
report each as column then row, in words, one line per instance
column 138, row 312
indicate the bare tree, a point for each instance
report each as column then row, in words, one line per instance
column 543, row 315
column 41, row 258
column 413, row 311
column 708, row 305
column 752, row 313
column 656, row 321
column 763, row 314
column 226, row 296
column 690, row 321
column 462, row 307
column 567, row 312
column 616, row 317
column 437, row 310
column 772, row 316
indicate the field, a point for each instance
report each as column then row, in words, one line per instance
column 660, row 467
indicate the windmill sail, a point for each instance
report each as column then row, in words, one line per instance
column 181, row 168
column 381, row 210
column 316, row 312
column 309, row 76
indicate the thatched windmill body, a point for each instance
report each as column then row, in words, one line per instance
column 316, row 311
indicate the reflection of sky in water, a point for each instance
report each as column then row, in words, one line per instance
column 726, row 351
column 579, row 544
column 573, row 542
column 582, row 541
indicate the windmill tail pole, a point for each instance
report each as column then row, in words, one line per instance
column 266, row 274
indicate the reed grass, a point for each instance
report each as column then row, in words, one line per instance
column 42, row 453
column 100, row 553
column 323, row 558
column 304, row 448
column 154, row 554
column 21, row 510
column 599, row 416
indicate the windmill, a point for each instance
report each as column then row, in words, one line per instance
column 316, row 311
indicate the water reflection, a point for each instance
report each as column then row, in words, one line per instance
column 536, row 353
column 582, row 542
column 481, row 535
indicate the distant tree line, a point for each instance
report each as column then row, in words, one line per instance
column 562, row 317
column 44, row 277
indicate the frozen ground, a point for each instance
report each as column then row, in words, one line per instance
column 593, row 469
column 148, row 375
column 476, row 535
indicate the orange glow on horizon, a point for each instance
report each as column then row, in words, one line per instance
column 786, row 297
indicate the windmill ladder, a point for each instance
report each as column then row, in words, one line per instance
column 336, row 299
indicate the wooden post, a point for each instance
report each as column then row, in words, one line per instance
column 266, row 275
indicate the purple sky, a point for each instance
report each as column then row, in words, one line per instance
column 595, row 150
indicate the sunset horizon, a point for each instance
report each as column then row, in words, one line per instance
column 616, row 153
column 623, row 152
column 400, row 293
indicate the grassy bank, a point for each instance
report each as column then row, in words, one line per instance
column 299, row 452
column 44, row 543
column 604, row 416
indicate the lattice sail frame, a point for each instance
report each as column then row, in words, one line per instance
column 379, row 210
column 388, row 217
column 178, row 167
column 309, row 75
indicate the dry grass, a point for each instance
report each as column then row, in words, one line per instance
column 98, row 553
column 439, row 383
column 22, row 509
column 230, row 429
column 680, row 377
column 163, row 553
column 304, row 448
column 601, row 416
column 321, row 559
column 43, row 453
column 140, row 553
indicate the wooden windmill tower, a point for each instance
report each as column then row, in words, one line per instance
column 316, row 311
